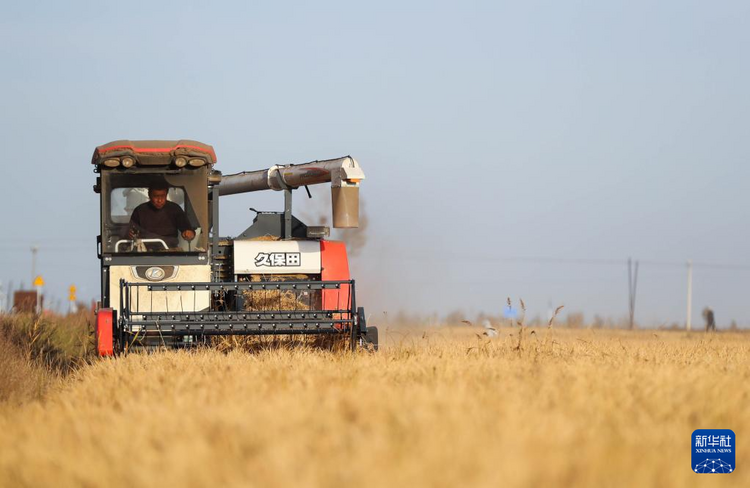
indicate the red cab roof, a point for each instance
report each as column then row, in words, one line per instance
column 154, row 152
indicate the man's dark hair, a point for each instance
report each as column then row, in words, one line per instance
column 159, row 185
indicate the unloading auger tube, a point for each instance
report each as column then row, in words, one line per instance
column 344, row 174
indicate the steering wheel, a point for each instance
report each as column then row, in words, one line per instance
column 138, row 245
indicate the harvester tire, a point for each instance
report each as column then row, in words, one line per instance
column 371, row 337
column 367, row 336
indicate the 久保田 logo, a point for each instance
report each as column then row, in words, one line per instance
column 713, row 451
column 278, row 259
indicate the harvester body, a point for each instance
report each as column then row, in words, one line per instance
column 279, row 276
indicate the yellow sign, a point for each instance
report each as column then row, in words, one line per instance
column 72, row 297
column 72, row 289
column 39, row 281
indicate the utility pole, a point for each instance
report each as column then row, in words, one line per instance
column 632, row 287
column 34, row 250
column 690, row 295
column 34, row 282
column 9, row 297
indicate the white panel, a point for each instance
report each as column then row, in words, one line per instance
column 161, row 301
column 276, row 257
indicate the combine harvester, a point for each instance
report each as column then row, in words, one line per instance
column 278, row 277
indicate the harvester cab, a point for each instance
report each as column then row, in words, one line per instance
column 168, row 277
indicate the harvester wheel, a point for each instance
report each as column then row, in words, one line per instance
column 371, row 337
column 367, row 337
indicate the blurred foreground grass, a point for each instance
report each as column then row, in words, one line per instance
column 445, row 407
column 36, row 352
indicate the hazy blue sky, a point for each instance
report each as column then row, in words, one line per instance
column 488, row 131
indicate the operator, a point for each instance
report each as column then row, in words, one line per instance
column 160, row 219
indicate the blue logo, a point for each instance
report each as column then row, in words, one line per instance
column 713, row 451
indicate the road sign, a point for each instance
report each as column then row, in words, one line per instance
column 38, row 281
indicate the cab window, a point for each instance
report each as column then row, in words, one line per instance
column 125, row 200
column 122, row 192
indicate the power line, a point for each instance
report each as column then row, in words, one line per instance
column 683, row 264
column 27, row 241
column 558, row 260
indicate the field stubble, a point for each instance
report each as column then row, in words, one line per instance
column 444, row 407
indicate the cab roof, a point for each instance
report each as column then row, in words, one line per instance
column 154, row 152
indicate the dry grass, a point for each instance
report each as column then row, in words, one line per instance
column 336, row 343
column 436, row 408
column 37, row 352
column 260, row 300
column 20, row 379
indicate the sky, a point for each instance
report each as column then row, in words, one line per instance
column 511, row 149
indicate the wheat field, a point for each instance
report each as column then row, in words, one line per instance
column 443, row 407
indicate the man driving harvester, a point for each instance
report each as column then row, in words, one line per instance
column 160, row 219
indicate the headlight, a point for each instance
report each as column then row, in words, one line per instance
column 112, row 163
column 128, row 162
column 197, row 162
column 180, row 162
